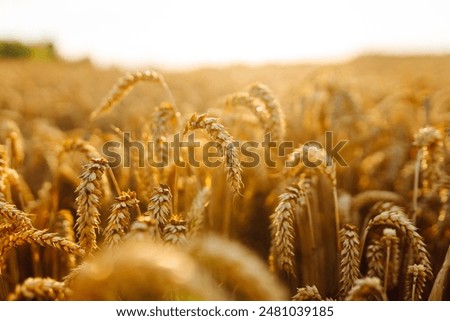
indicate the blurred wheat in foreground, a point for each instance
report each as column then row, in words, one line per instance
column 97, row 204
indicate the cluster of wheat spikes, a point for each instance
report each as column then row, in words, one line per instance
column 75, row 225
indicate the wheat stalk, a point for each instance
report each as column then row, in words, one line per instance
column 398, row 220
column 441, row 281
column 219, row 134
column 244, row 99
column 320, row 161
column 88, row 204
column 123, row 87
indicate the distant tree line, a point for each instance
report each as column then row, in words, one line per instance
column 15, row 49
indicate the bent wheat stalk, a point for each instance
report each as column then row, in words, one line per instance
column 123, row 87
column 398, row 220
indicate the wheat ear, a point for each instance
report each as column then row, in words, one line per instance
column 398, row 220
column 164, row 117
column 416, row 277
column 175, row 231
column 24, row 231
column 88, row 204
column 119, row 219
column 39, row 289
column 375, row 259
column 141, row 271
column 349, row 266
column 367, row 289
column 196, row 215
column 244, row 99
column 283, row 231
column 308, row 293
column 390, row 243
column 234, row 266
column 160, row 207
column 219, row 134
column 123, row 87
column 312, row 159
column 430, row 159
column 276, row 115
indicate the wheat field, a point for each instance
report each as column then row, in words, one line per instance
column 98, row 202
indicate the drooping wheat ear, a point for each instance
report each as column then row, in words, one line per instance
column 367, row 289
column 11, row 136
column 276, row 115
column 80, row 146
column 88, row 204
column 349, row 266
column 234, row 266
column 119, row 219
column 123, row 87
column 219, row 134
column 196, row 215
column 160, row 207
column 308, row 293
column 260, row 110
column 375, row 259
column 441, row 283
column 175, row 231
column 397, row 219
column 282, row 229
column 391, row 247
column 165, row 272
column 310, row 158
column 39, row 289
column 416, row 277
column 14, row 216
column 24, row 231
column 164, row 118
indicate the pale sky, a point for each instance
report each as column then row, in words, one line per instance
column 177, row 33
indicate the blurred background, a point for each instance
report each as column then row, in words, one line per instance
column 174, row 34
